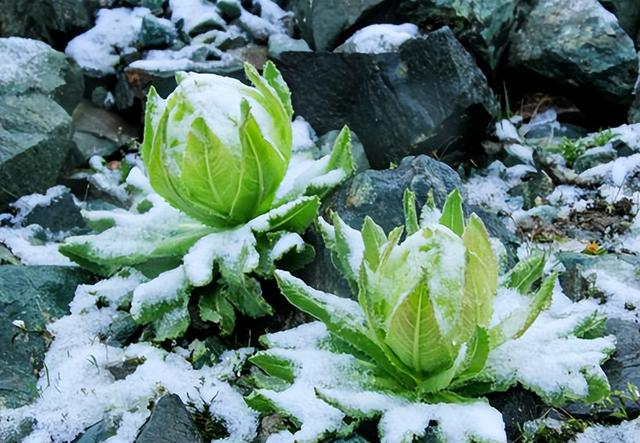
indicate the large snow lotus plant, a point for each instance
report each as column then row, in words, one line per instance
column 225, row 201
column 434, row 328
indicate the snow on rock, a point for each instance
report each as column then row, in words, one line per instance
column 627, row 432
column 378, row 39
column 27, row 245
column 115, row 31
column 78, row 390
column 506, row 131
column 24, row 205
column 195, row 15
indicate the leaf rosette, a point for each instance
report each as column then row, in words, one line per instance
column 223, row 202
column 433, row 328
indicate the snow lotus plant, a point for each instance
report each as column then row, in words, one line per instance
column 224, row 202
column 433, row 328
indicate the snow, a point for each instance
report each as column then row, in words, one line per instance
column 489, row 192
column 378, row 39
column 521, row 152
column 259, row 28
column 627, row 432
column 235, row 249
column 288, row 242
column 24, row 205
column 506, row 131
column 77, row 390
column 563, row 363
column 114, row 32
column 196, row 15
column 304, row 137
column 23, row 244
column 164, row 289
column 481, row 422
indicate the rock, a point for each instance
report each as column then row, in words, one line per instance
column 323, row 22
column 122, row 370
column 122, row 330
column 169, row 422
column 53, row 21
column 60, row 215
column 100, row 132
column 429, row 97
column 35, row 295
column 593, row 157
column 517, row 407
column 580, row 47
column 230, row 9
column 35, row 137
column 280, row 43
column 533, row 190
column 377, row 194
column 97, row 433
column 627, row 12
column 30, row 66
column 156, row 32
column 483, row 26
column 622, row 369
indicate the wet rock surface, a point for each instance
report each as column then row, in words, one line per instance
column 429, row 97
column 169, row 422
column 35, row 295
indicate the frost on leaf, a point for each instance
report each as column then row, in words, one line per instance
column 328, row 386
column 551, row 358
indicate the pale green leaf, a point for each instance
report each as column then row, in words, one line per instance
column 452, row 213
column 526, row 273
column 414, row 335
column 481, row 279
column 410, row 214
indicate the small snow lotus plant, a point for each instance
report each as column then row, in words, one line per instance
column 225, row 200
column 434, row 327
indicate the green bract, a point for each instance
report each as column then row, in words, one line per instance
column 224, row 203
column 433, row 327
column 217, row 149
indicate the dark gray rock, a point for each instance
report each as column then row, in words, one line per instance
column 156, row 32
column 534, row 189
column 483, row 26
column 377, row 194
column 230, row 9
column 324, row 23
column 122, row 330
column 429, row 97
column 53, row 21
column 169, row 422
column 62, row 214
column 97, row 433
column 35, row 137
column 627, row 12
column 593, row 157
column 31, row 66
column 99, row 132
column 36, row 295
column 622, row 369
column 517, row 407
column 578, row 47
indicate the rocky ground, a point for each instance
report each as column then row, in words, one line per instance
column 530, row 108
